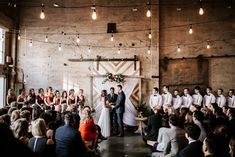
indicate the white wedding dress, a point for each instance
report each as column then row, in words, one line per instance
column 104, row 120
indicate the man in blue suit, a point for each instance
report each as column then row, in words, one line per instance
column 119, row 109
column 68, row 139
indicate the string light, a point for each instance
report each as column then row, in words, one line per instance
column 19, row 37
column 208, row 45
column 59, row 48
column 46, row 39
column 42, row 14
column 201, row 11
column 190, row 29
column 78, row 39
column 119, row 51
column 31, row 43
column 94, row 16
column 112, row 38
column 178, row 49
column 150, row 35
column 56, row 5
column 149, row 51
column 89, row 49
column 148, row 13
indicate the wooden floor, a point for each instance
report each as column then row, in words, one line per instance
column 131, row 145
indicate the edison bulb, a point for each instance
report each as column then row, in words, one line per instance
column 201, row 11
column 208, row 46
column 42, row 15
column 190, row 30
column 178, row 49
column 148, row 14
column 112, row 38
column 94, row 16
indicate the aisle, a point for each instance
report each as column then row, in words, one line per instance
column 131, row 145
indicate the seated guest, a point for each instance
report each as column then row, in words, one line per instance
column 187, row 99
column 231, row 123
column 182, row 115
column 220, row 118
column 232, row 146
column 39, row 143
column 11, row 147
column 231, row 98
column 173, row 139
column 197, row 97
column 210, row 147
column 6, row 119
column 154, row 123
column 220, row 99
column 20, row 130
column 198, row 119
column 194, row 147
column 69, row 142
column 15, row 115
column 88, row 128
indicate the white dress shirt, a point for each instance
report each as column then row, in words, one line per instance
column 197, row 99
column 208, row 99
column 155, row 100
column 187, row 100
column 177, row 102
column 221, row 101
column 231, row 101
column 167, row 98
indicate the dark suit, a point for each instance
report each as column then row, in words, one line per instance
column 193, row 149
column 154, row 123
column 69, row 142
column 119, row 109
column 112, row 98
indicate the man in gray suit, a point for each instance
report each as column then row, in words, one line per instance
column 173, row 140
column 119, row 109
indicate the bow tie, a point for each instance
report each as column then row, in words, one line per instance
column 165, row 93
column 154, row 95
column 185, row 95
column 230, row 96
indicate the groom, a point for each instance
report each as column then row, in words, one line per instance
column 119, row 109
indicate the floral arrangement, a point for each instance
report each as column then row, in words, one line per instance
column 119, row 78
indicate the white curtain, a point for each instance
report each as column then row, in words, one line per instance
column 128, row 87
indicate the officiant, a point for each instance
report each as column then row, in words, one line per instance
column 112, row 98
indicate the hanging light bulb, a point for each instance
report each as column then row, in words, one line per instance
column 148, row 13
column 42, row 14
column 31, row 43
column 149, row 51
column 46, row 39
column 89, row 50
column 150, row 35
column 19, row 37
column 178, row 49
column 190, row 29
column 119, row 51
column 112, row 38
column 208, row 45
column 78, row 39
column 94, row 16
column 59, row 48
column 201, row 11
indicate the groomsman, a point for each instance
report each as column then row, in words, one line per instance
column 166, row 97
column 197, row 97
column 177, row 100
column 220, row 100
column 231, row 98
column 112, row 98
column 155, row 100
column 187, row 99
column 209, row 97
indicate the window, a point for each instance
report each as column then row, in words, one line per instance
column 2, row 45
column 2, row 91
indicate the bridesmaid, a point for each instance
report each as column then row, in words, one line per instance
column 71, row 100
column 32, row 96
column 21, row 99
column 11, row 97
column 57, row 98
column 48, row 100
column 64, row 101
column 40, row 97
column 81, row 98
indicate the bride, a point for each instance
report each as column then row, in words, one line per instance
column 104, row 120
